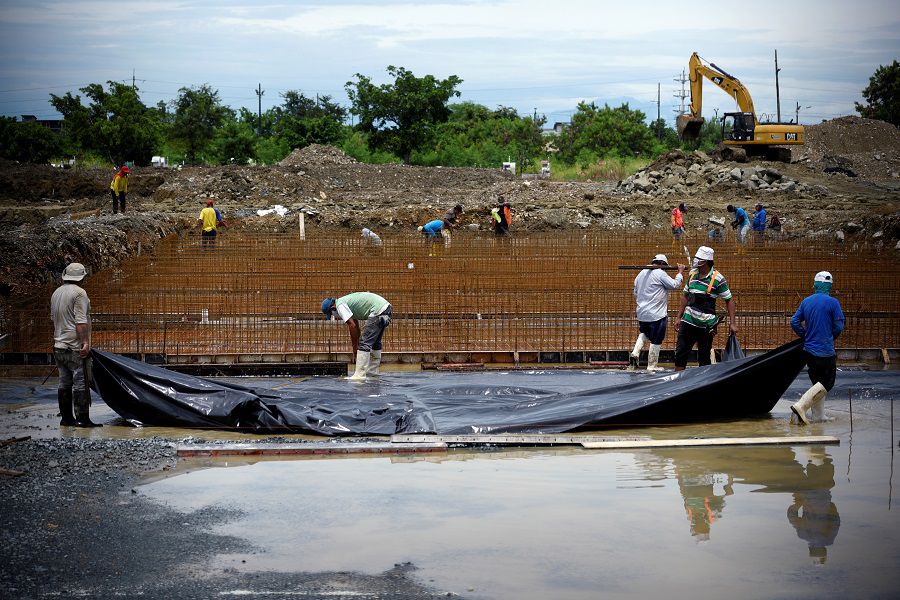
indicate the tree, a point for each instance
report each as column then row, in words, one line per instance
column 401, row 116
column 28, row 141
column 115, row 125
column 882, row 95
column 198, row 113
column 604, row 132
column 301, row 121
column 234, row 142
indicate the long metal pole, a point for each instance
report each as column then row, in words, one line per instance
column 777, row 90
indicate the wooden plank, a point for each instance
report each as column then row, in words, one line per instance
column 13, row 440
column 693, row 442
column 11, row 472
column 85, row 213
column 535, row 439
column 313, row 448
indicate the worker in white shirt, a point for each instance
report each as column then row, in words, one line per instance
column 651, row 291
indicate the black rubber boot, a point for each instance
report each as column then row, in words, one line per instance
column 82, row 417
column 65, row 407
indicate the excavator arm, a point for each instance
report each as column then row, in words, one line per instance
column 689, row 125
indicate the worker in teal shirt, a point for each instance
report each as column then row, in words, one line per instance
column 432, row 229
column 819, row 321
column 741, row 221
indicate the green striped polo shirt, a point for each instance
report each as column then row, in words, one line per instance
column 701, row 293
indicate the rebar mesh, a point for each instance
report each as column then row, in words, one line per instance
column 553, row 292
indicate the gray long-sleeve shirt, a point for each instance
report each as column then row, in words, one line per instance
column 651, row 290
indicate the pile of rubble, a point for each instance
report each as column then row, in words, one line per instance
column 854, row 147
column 680, row 174
column 317, row 154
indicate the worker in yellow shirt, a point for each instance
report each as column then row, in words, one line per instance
column 119, row 187
column 210, row 219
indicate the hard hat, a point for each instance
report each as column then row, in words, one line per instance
column 124, row 169
column 704, row 253
column 419, row 228
column 76, row 272
column 327, row 305
column 210, row 202
column 661, row 258
column 823, row 276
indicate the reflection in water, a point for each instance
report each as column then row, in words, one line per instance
column 706, row 477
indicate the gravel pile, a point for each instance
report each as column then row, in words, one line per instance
column 317, row 154
column 854, row 147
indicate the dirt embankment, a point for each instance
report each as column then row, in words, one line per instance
column 336, row 192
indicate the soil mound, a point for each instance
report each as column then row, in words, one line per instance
column 317, row 154
column 855, row 147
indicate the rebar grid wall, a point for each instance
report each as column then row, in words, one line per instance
column 554, row 292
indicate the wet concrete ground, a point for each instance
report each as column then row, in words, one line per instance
column 753, row 522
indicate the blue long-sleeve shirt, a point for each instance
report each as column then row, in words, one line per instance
column 432, row 228
column 818, row 320
column 759, row 220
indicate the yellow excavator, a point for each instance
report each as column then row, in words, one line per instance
column 742, row 135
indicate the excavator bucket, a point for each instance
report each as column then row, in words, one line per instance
column 688, row 126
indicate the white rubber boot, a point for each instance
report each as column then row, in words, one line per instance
column 817, row 410
column 810, row 397
column 362, row 365
column 636, row 353
column 653, row 358
column 374, row 361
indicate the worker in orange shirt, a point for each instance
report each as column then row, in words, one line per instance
column 119, row 187
column 678, row 220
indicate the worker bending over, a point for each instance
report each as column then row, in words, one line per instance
column 356, row 307
column 818, row 320
column 697, row 320
column 651, row 291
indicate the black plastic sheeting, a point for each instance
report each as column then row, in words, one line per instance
column 146, row 395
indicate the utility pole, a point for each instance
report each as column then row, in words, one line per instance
column 797, row 112
column 132, row 80
column 259, row 93
column 658, row 117
column 683, row 94
column 777, row 91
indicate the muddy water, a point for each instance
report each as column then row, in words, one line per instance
column 761, row 522
column 752, row 522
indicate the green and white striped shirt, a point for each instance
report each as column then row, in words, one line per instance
column 701, row 293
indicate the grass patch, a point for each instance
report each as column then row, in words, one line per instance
column 613, row 169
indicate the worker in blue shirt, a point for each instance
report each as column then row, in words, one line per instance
column 759, row 220
column 818, row 320
column 741, row 221
column 432, row 229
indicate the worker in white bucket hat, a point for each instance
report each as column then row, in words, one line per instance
column 819, row 321
column 697, row 319
column 651, row 291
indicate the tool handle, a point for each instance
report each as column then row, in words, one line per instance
column 642, row 267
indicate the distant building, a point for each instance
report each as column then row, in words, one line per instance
column 54, row 125
column 556, row 130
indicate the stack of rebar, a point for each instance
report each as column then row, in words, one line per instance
column 551, row 292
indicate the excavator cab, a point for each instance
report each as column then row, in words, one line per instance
column 738, row 127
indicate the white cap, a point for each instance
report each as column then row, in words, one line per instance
column 704, row 253
column 76, row 272
column 366, row 232
column 823, row 276
column 660, row 258
column 419, row 228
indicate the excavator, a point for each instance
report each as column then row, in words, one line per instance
column 742, row 134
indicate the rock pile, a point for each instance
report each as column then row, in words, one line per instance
column 855, row 147
column 317, row 154
column 679, row 174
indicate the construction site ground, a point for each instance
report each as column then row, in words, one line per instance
column 846, row 178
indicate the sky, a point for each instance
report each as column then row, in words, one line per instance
column 533, row 56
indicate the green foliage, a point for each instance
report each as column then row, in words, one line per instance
column 709, row 137
column 882, row 95
column 604, row 132
column 300, row 132
column 299, row 106
column 614, row 169
column 115, row 124
column 357, row 145
column 198, row 113
column 401, row 116
column 235, row 142
column 270, row 150
column 474, row 135
column 28, row 141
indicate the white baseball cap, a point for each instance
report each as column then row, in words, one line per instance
column 660, row 258
column 823, row 276
column 704, row 253
column 77, row 272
